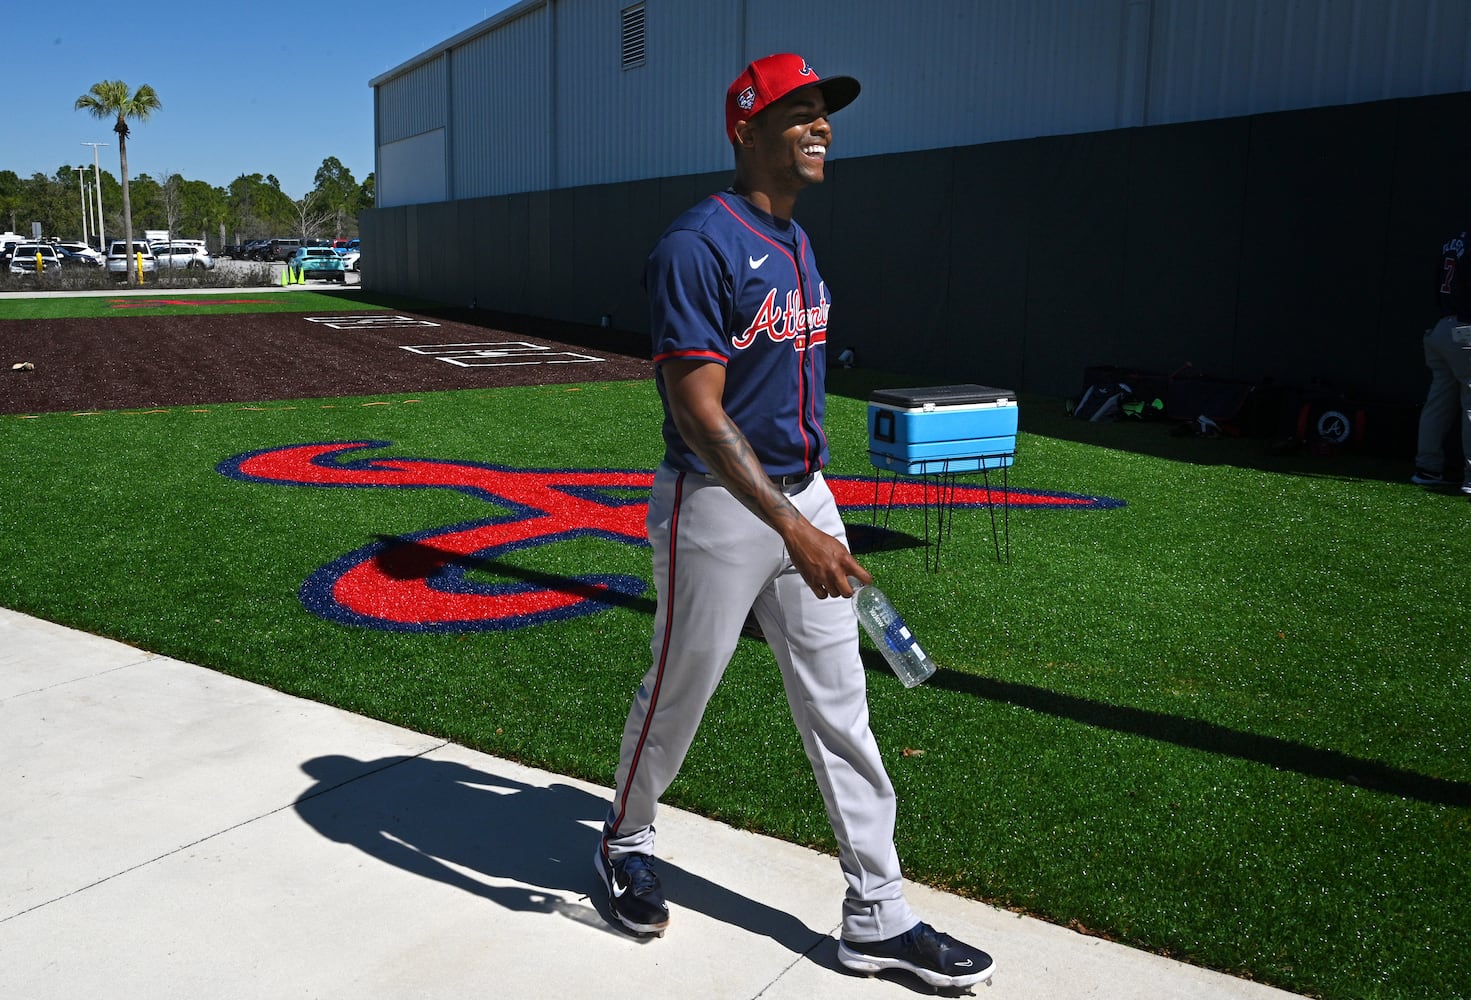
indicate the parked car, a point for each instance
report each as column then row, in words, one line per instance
column 189, row 255
column 177, row 242
column 231, row 250
column 77, row 260
column 281, row 249
column 350, row 260
column 260, row 250
column 83, row 250
column 317, row 262
column 23, row 259
column 122, row 259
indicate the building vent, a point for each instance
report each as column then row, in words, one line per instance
column 633, row 36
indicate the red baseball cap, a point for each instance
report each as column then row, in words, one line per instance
column 768, row 80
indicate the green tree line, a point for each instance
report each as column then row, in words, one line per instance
column 251, row 207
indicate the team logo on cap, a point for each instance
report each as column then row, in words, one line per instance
column 747, row 100
column 806, row 70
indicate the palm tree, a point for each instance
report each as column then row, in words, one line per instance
column 109, row 98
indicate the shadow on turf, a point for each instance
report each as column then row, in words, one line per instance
column 408, row 559
column 1389, row 459
column 1194, row 734
column 412, row 559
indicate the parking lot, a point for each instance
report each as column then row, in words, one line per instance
column 229, row 268
column 165, row 269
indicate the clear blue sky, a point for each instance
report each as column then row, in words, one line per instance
column 271, row 88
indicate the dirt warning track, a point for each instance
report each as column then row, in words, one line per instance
column 145, row 361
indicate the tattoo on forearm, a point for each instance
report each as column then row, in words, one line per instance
column 731, row 458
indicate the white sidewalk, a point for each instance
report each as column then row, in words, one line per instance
column 170, row 831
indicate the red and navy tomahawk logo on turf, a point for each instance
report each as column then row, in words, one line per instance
column 419, row 582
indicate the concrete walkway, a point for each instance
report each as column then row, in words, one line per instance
column 169, row 831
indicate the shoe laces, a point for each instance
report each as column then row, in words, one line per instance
column 922, row 932
column 937, row 947
column 642, row 879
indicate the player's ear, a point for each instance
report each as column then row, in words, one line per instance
column 744, row 135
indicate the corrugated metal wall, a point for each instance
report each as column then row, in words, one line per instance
column 537, row 98
column 412, row 103
column 941, row 73
column 618, row 124
column 1251, row 133
column 503, row 120
column 937, row 73
column 1289, row 249
column 1211, row 59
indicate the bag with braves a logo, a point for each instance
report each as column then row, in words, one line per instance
column 1102, row 401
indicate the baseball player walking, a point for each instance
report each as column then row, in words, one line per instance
column 741, row 520
column 1448, row 356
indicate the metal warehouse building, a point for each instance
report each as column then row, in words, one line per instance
column 1024, row 188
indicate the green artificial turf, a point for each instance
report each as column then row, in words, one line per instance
column 1225, row 722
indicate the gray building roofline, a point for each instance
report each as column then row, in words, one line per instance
column 488, row 25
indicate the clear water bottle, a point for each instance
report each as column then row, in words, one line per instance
column 892, row 637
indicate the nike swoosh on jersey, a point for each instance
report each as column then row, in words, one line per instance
column 757, row 262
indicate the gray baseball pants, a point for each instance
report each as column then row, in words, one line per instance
column 714, row 560
column 1448, row 401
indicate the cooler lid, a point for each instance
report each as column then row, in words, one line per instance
column 940, row 395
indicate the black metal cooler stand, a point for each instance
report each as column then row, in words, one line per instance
column 985, row 440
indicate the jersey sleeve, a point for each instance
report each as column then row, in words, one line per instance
column 689, row 299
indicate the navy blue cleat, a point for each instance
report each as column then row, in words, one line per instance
column 937, row 958
column 634, row 895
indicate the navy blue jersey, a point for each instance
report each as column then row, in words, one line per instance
column 1454, row 296
column 732, row 285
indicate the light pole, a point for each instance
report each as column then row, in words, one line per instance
column 82, row 184
column 97, row 176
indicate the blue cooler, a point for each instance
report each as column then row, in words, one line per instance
column 942, row 429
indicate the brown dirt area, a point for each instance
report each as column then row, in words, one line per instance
column 153, row 361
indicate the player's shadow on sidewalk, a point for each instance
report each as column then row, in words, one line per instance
column 475, row 831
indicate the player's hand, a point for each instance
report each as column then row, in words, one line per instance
column 824, row 562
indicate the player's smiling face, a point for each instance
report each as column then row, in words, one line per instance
column 791, row 139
